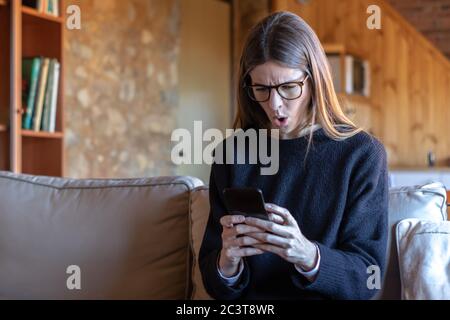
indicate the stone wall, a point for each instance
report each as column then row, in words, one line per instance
column 121, row 88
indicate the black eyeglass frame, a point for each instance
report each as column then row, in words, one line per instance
column 276, row 87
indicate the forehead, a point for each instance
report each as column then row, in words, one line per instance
column 272, row 72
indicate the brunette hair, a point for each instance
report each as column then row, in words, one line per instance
column 287, row 39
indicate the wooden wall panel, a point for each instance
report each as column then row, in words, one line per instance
column 410, row 83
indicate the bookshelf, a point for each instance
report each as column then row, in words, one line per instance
column 26, row 32
column 356, row 106
column 337, row 54
column 40, row 15
column 5, row 21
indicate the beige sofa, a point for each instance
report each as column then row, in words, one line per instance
column 129, row 238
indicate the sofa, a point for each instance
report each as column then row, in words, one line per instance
column 137, row 238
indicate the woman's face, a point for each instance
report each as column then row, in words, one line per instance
column 286, row 115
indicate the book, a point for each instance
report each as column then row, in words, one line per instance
column 55, row 7
column 349, row 74
column 48, row 97
column 366, row 87
column 30, row 3
column 357, row 77
column 42, row 6
column 30, row 77
column 334, row 60
column 46, row 6
column 54, row 103
column 50, row 7
column 51, row 96
column 39, row 5
column 37, row 118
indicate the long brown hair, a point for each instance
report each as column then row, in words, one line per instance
column 287, row 39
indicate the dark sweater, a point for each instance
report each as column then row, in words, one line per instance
column 339, row 197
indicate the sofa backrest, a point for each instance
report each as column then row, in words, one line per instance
column 129, row 238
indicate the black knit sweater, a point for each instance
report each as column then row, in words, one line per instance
column 339, row 197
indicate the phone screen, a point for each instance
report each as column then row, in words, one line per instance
column 245, row 201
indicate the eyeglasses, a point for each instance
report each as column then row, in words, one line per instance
column 289, row 90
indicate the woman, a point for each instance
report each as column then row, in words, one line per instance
column 328, row 201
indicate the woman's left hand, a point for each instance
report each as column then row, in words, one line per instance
column 283, row 237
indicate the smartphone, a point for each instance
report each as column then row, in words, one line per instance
column 246, row 202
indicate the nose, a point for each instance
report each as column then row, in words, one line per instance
column 275, row 100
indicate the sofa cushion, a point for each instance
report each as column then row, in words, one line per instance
column 424, row 202
column 129, row 237
column 424, row 259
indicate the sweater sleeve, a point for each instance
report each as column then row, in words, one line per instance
column 211, row 246
column 362, row 237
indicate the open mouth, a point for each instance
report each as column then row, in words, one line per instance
column 281, row 121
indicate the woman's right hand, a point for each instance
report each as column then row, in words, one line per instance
column 235, row 243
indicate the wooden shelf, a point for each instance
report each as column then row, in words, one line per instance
column 41, row 15
column 42, row 134
column 333, row 48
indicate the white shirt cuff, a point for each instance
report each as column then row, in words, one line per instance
column 310, row 275
column 231, row 281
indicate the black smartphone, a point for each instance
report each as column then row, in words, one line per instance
column 245, row 201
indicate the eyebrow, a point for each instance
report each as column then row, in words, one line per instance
column 265, row 85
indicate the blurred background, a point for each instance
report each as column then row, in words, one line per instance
column 138, row 69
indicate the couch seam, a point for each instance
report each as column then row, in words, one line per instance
column 443, row 196
column 189, row 187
